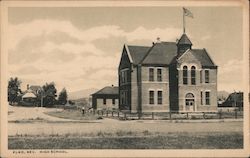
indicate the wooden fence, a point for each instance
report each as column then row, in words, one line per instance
column 168, row 115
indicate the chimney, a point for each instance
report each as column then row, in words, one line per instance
column 158, row 40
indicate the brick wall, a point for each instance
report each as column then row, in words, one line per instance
column 155, row 86
column 108, row 106
column 200, row 85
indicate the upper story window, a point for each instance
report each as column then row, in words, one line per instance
column 201, row 76
column 151, row 97
column 124, row 76
column 159, row 75
column 185, row 75
column 193, row 75
column 151, row 74
column 206, row 76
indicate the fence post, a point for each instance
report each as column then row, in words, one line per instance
column 187, row 115
column 94, row 111
column 220, row 114
column 235, row 113
column 112, row 113
column 118, row 114
column 102, row 112
column 125, row 117
column 204, row 115
column 152, row 115
column 170, row 115
column 107, row 113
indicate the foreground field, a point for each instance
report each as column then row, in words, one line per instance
column 31, row 128
column 130, row 140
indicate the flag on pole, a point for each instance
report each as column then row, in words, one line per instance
column 187, row 13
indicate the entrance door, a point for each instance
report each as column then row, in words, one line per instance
column 189, row 101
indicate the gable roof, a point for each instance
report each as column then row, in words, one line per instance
column 199, row 54
column 203, row 57
column 161, row 53
column 108, row 90
column 184, row 40
column 28, row 94
column 137, row 53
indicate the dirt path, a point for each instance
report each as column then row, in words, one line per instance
column 66, row 126
column 32, row 113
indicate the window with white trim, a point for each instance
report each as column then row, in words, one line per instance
column 151, row 97
column 206, row 76
column 207, row 98
column 193, row 75
column 201, row 76
column 185, row 75
column 159, row 75
column 201, row 98
column 159, row 97
column 151, row 74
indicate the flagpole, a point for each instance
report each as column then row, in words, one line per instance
column 183, row 21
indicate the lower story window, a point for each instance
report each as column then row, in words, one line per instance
column 113, row 101
column 159, row 97
column 207, row 98
column 104, row 101
column 151, row 97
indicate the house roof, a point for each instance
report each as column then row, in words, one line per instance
column 137, row 53
column 166, row 53
column 108, row 90
column 29, row 94
column 161, row 53
column 184, row 40
column 237, row 96
column 203, row 57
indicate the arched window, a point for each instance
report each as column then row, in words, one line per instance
column 193, row 71
column 185, row 75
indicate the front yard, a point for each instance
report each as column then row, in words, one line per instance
column 131, row 140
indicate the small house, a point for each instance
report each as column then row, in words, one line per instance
column 234, row 100
column 106, row 98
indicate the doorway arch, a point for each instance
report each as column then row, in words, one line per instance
column 190, row 102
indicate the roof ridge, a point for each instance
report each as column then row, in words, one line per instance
column 147, row 54
column 137, row 46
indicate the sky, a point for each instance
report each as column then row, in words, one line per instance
column 80, row 48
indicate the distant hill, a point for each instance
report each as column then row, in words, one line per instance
column 222, row 94
column 82, row 93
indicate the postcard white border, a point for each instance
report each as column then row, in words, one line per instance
column 125, row 153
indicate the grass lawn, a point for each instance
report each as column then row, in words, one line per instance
column 73, row 114
column 130, row 140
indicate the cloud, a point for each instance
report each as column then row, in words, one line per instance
column 141, row 33
column 52, row 50
column 231, row 66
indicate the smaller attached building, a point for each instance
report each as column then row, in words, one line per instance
column 106, row 98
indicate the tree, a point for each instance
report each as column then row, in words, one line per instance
column 63, row 96
column 14, row 90
column 50, row 95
